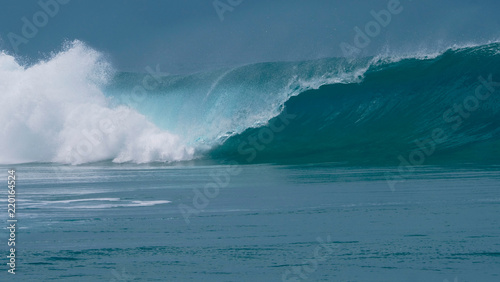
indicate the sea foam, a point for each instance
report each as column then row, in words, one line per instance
column 55, row 111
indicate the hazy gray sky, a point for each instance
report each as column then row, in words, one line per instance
column 190, row 35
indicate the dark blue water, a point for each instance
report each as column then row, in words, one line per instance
column 268, row 223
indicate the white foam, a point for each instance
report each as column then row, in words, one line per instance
column 83, row 200
column 120, row 205
column 55, row 111
column 91, row 203
column 421, row 52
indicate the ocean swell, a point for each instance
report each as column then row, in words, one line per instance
column 74, row 108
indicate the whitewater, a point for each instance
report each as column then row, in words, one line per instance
column 56, row 111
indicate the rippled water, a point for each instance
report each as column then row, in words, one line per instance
column 123, row 223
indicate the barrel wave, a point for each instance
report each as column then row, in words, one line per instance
column 443, row 109
column 74, row 108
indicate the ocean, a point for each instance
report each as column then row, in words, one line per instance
column 124, row 223
column 365, row 169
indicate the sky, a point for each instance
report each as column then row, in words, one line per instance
column 184, row 36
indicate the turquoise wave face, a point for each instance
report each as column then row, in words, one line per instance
column 207, row 108
column 417, row 111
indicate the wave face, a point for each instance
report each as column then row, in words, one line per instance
column 394, row 111
column 73, row 108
